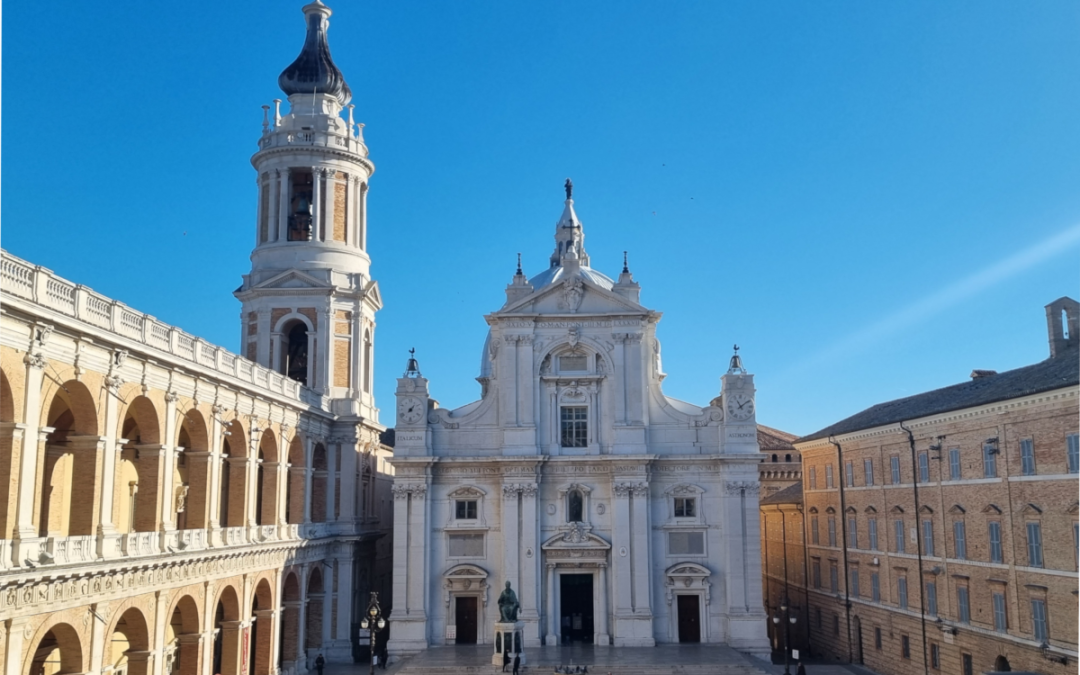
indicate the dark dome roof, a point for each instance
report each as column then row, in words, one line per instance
column 314, row 70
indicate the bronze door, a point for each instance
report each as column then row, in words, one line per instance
column 465, row 619
column 689, row 618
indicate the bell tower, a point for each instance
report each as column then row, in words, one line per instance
column 309, row 301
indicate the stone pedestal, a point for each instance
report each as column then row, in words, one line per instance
column 509, row 637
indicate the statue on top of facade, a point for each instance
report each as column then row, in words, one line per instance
column 508, row 605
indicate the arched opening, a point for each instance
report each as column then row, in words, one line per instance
column 294, row 351
column 183, row 639
column 8, row 470
column 227, row 633
column 290, row 621
column 787, row 457
column 58, row 652
column 192, row 473
column 575, row 502
column 128, row 651
column 313, row 623
column 262, row 630
column 295, row 494
column 774, row 458
column 135, row 495
column 70, row 450
column 1001, row 664
column 266, row 507
column 318, row 484
column 233, row 463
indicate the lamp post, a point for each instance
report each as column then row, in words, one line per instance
column 373, row 622
column 791, row 619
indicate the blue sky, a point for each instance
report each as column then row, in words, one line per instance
column 872, row 199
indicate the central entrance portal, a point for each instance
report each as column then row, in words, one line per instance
column 576, row 607
column 465, row 619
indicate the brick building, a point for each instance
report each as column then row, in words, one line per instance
column 781, row 465
column 940, row 532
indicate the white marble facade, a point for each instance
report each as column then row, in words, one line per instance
column 620, row 516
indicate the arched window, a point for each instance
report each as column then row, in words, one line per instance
column 294, row 357
column 367, row 362
column 575, row 507
column 774, row 459
column 787, row 457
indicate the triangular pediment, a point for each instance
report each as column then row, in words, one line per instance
column 575, row 539
column 372, row 294
column 291, row 279
column 572, row 295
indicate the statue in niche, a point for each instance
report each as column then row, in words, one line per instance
column 573, row 290
column 508, row 605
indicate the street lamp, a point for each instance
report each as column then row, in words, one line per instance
column 373, row 622
column 791, row 619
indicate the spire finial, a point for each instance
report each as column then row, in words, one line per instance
column 569, row 185
column 519, row 265
column 625, row 265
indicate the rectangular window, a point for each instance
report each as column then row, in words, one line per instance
column 834, row 579
column 813, row 478
column 1076, row 544
column 1035, row 550
column 832, row 531
column 465, row 509
column 872, row 525
column 928, row 537
column 685, row 507
column 868, row 471
column 828, row 477
column 686, row 543
column 1072, row 442
column 853, row 532
column 905, row 647
column 1027, row 457
column 855, row 582
column 875, row 587
column 575, row 426
column 959, row 540
column 901, row 592
column 894, row 466
column 954, row 464
column 969, row 668
column 815, row 570
column 466, row 546
column 877, row 637
column 815, row 535
column 931, row 598
column 817, row 616
column 989, row 461
column 963, row 607
column 1000, row 619
column 849, row 471
column 935, row 656
column 1038, row 621
column 898, row 534
column 995, row 542
column 924, row 467
column 579, row 362
column 836, row 624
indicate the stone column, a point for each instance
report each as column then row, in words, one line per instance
column 273, row 202
column 410, row 562
column 511, row 537
column 620, row 552
column 331, row 481
column 348, row 456
column 168, row 501
column 530, row 566
column 98, row 639
column 328, row 220
column 642, row 565
column 308, row 474
column 282, row 211
column 362, row 219
column 231, row 645
column 553, row 418
column 316, row 205
column 525, row 375
column 603, row 638
column 551, row 639
column 26, row 532
column 343, row 569
column 157, row 639
column 277, row 357
column 11, row 644
column 106, row 526
column 621, row 383
column 301, row 635
column 328, row 604
column 265, row 641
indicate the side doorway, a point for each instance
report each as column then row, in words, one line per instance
column 465, row 619
column 689, row 608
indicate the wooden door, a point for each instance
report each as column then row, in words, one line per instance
column 689, row 618
column 465, row 619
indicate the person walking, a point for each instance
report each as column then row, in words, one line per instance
column 517, row 663
column 506, row 660
column 801, row 670
column 320, row 663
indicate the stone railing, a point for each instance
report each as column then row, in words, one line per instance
column 292, row 138
column 68, row 550
column 139, row 543
column 36, row 284
column 234, row 536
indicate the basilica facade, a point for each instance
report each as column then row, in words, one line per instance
column 621, row 516
column 168, row 507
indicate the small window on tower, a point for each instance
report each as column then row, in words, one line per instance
column 294, row 361
column 300, row 205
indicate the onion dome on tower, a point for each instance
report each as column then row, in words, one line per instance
column 314, row 72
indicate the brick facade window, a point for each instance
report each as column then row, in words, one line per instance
column 989, row 461
column 834, row 578
column 836, row 624
column 935, row 656
column 1027, row 457
column 877, row 637
column 849, row 472
column 894, row 469
column 1039, row 620
column 815, row 570
column 1001, row 623
column 969, row 668
column 954, row 464
column 872, row 530
column 832, row 531
column 931, row 598
column 828, row 477
column 963, row 604
column 898, row 535
column 868, row 472
column 905, row 647
column 901, row 592
column 813, row 478
column 1072, row 444
column 995, row 542
column 853, row 532
column 875, row 587
column 815, row 535
column 855, row 582
column 959, row 540
column 924, row 467
column 928, row 537
column 1035, row 547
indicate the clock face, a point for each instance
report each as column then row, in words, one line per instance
column 740, row 406
column 411, row 410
